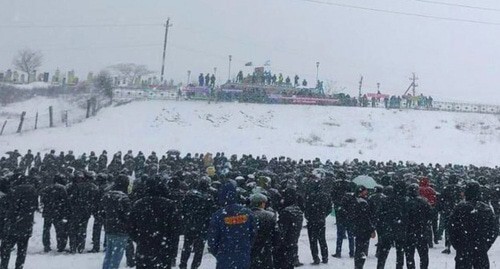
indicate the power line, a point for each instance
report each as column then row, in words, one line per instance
column 105, row 25
column 458, row 5
column 403, row 13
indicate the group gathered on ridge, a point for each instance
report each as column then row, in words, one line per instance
column 249, row 210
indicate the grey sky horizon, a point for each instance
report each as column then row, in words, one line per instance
column 454, row 60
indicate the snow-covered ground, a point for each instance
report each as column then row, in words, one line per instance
column 336, row 133
column 37, row 259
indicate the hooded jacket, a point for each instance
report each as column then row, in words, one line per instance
column 427, row 191
column 231, row 231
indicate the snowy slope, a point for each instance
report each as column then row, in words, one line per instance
column 336, row 133
column 297, row 131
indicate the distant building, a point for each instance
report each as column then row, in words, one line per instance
column 2, row 77
column 8, row 76
column 45, row 77
column 23, row 79
column 90, row 77
column 57, row 77
column 15, row 77
column 71, row 77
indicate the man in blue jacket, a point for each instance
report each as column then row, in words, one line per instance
column 231, row 231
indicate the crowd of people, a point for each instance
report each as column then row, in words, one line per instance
column 248, row 210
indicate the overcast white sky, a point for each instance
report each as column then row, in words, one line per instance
column 454, row 60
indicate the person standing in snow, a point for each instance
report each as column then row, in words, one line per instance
column 198, row 206
column 290, row 224
column 82, row 195
column 152, row 221
column 116, row 210
column 54, row 200
column 232, row 231
column 22, row 204
column 363, row 227
column 391, row 225
column 317, row 208
column 263, row 249
column 451, row 197
column 419, row 218
column 429, row 194
column 473, row 230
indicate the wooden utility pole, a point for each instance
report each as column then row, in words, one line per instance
column 167, row 25
column 360, row 86
column 414, row 79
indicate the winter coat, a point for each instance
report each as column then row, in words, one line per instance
column 22, row 204
column 346, row 209
column 198, row 208
column 317, row 206
column 232, row 231
column 265, row 240
column 82, row 198
column 116, row 210
column 290, row 224
column 450, row 197
column 392, row 218
column 54, row 199
column 473, row 227
column 427, row 192
column 419, row 216
column 152, row 222
column 362, row 223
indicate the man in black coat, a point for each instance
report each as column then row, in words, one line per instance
column 391, row 225
column 363, row 227
column 103, row 184
column 153, row 220
column 82, row 195
column 419, row 218
column 177, row 195
column 317, row 208
column 473, row 230
column 115, row 206
column 343, row 198
column 450, row 197
column 289, row 224
column 22, row 204
column 198, row 207
column 263, row 249
column 54, row 200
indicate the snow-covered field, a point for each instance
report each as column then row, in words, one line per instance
column 336, row 133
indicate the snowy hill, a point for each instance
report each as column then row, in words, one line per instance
column 336, row 133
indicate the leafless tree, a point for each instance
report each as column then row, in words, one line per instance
column 130, row 71
column 27, row 61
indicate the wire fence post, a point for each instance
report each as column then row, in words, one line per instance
column 51, row 119
column 3, row 127
column 20, row 127
column 36, row 121
column 88, row 108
